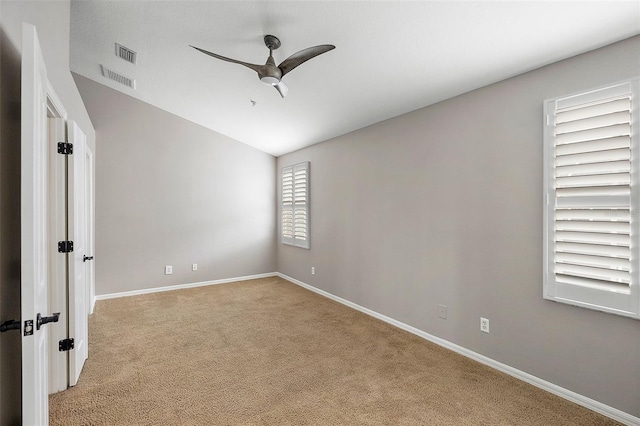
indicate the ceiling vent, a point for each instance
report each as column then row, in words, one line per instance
column 112, row 75
column 126, row 54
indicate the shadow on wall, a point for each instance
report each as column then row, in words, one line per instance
column 10, row 342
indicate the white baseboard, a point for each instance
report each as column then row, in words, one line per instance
column 182, row 286
column 589, row 403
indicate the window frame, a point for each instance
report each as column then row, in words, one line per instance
column 577, row 295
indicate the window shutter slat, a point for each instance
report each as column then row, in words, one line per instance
column 594, row 191
column 594, row 273
column 604, row 227
column 593, row 180
column 594, row 284
column 594, row 250
column 592, row 110
column 594, row 261
column 594, row 238
column 601, row 214
column 621, row 117
column 594, row 134
column 622, row 166
column 594, row 146
column 593, row 157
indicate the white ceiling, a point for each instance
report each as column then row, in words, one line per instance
column 390, row 57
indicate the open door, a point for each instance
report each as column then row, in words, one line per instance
column 77, row 232
column 34, row 231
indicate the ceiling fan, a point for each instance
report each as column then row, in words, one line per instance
column 271, row 74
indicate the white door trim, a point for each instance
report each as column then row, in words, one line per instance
column 90, row 245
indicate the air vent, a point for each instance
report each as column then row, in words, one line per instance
column 126, row 54
column 112, row 75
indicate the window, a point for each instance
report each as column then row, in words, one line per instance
column 591, row 185
column 295, row 205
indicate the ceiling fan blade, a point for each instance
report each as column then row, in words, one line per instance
column 256, row 68
column 303, row 56
column 282, row 89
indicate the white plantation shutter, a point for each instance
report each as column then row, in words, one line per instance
column 287, row 205
column 295, row 205
column 591, row 187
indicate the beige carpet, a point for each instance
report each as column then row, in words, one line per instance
column 267, row 352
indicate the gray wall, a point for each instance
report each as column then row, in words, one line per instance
column 170, row 192
column 444, row 206
column 51, row 19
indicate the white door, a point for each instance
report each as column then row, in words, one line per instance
column 77, row 216
column 34, row 232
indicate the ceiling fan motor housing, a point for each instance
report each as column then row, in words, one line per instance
column 270, row 74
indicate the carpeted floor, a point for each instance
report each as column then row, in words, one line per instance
column 267, row 352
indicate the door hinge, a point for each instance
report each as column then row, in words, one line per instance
column 65, row 345
column 65, row 148
column 65, row 246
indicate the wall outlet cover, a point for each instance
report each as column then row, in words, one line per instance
column 484, row 325
column 168, row 270
column 442, row 311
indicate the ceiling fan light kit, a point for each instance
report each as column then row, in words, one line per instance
column 271, row 81
column 270, row 73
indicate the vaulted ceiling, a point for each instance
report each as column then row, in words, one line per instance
column 390, row 57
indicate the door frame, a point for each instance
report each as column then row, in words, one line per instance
column 90, row 164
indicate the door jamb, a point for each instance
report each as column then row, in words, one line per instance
column 90, row 233
column 57, row 291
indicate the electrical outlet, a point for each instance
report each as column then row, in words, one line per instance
column 194, row 267
column 168, row 270
column 442, row 311
column 484, row 324
column 313, row 270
